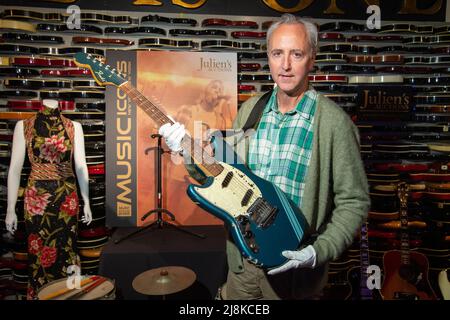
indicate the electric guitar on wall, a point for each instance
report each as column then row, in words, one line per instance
column 352, row 285
column 357, row 276
column 260, row 217
column 406, row 272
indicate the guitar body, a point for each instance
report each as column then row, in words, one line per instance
column 406, row 282
column 337, row 288
column 271, row 226
column 358, row 289
column 354, row 280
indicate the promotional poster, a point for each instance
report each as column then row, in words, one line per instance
column 197, row 89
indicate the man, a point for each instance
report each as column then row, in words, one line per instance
column 306, row 145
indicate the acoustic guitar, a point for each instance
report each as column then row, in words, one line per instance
column 248, row 35
column 14, row 25
column 98, row 18
column 31, row 15
column 28, row 38
column 228, row 23
column 156, row 19
column 331, row 36
column 168, row 43
column 406, row 272
column 211, row 33
column 41, row 62
column 102, row 41
column 136, row 31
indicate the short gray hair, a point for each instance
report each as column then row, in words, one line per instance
column 287, row 18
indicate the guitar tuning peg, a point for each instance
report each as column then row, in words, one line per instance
column 107, row 66
column 89, row 56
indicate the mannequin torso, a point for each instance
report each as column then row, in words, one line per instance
column 51, row 198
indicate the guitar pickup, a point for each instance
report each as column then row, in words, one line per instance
column 226, row 181
column 248, row 195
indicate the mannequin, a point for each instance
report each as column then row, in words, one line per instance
column 51, row 199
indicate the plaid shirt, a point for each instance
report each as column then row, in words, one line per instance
column 281, row 149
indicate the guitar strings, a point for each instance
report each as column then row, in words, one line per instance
column 162, row 118
column 141, row 100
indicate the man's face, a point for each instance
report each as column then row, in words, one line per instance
column 213, row 92
column 290, row 58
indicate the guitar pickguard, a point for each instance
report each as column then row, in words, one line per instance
column 229, row 198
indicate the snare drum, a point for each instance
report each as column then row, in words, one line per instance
column 105, row 291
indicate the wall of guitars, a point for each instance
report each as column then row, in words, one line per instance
column 393, row 82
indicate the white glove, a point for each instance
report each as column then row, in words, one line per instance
column 173, row 134
column 305, row 258
column 11, row 221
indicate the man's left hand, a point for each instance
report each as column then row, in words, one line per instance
column 305, row 258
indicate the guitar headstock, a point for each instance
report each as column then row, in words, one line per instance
column 102, row 73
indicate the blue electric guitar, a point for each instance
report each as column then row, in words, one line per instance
column 261, row 219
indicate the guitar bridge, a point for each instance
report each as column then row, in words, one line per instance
column 262, row 213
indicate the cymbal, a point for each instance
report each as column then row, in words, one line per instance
column 164, row 280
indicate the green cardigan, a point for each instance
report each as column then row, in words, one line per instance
column 336, row 197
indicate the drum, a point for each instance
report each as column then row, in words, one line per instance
column 104, row 291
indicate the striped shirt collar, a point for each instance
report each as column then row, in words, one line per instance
column 305, row 107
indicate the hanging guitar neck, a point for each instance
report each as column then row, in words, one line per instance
column 403, row 192
column 406, row 272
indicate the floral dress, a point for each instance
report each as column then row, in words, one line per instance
column 50, row 199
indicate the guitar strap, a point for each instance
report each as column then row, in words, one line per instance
column 251, row 123
column 234, row 136
column 256, row 113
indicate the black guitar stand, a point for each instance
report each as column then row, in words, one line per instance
column 159, row 222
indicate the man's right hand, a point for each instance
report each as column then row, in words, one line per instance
column 173, row 134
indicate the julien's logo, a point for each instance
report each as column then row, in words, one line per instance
column 212, row 64
column 385, row 101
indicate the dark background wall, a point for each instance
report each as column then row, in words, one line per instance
column 410, row 10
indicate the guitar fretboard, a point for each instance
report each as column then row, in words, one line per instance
column 365, row 293
column 206, row 162
column 404, row 246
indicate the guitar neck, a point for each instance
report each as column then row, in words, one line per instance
column 365, row 293
column 201, row 158
column 404, row 246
